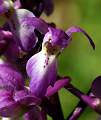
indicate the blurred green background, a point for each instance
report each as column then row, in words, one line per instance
column 79, row 60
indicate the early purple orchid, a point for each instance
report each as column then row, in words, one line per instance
column 30, row 48
column 42, row 67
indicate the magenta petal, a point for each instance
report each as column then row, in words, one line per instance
column 8, row 108
column 57, row 86
column 77, row 29
column 43, row 71
column 24, row 24
column 22, row 30
column 10, row 78
column 38, row 24
column 57, row 37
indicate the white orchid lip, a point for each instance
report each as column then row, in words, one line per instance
column 42, row 69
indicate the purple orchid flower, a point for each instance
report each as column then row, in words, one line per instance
column 23, row 32
column 23, row 28
column 42, row 67
column 16, row 99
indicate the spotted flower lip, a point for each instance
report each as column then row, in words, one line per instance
column 42, row 70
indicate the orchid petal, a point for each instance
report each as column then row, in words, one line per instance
column 57, row 37
column 8, row 107
column 10, row 78
column 23, row 28
column 77, row 29
column 38, row 24
column 23, row 32
column 57, row 86
column 42, row 70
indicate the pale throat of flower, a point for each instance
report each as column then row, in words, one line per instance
column 50, row 49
